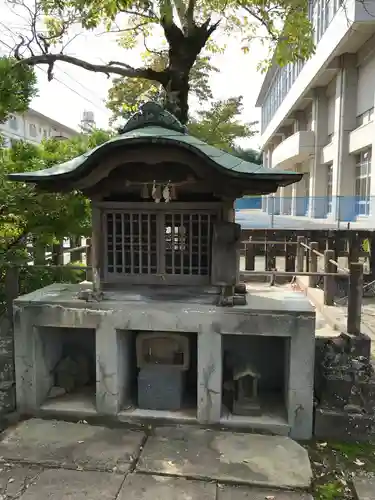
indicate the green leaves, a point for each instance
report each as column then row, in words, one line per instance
column 18, row 85
column 47, row 216
column 221, row 125
column 127, row 94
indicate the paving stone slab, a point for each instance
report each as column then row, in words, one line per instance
column 15, row 479
column 364, row 487
column 246, row 493
column 62, row 484
column 148, row 487
column 69, row 445
column 273, row 461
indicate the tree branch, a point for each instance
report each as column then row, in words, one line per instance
column 151, row 17
column 190, row 14
column 114, row 67
column 262, row 21
column 124, row 30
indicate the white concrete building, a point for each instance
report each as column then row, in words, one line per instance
column 32, row 126
column 318, row 117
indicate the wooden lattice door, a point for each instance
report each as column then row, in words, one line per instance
column 158, row 247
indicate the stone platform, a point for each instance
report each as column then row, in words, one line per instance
column 43, row 317
column 59, row 460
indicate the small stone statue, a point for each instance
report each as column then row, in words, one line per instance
column 90, row 295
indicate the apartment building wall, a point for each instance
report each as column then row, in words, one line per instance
column 331, row 112
column 33, row 127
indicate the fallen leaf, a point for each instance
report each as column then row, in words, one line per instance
column 358, row 462
column 11, row 480
column 322, row 445
column 270, row 497
column 80, row 442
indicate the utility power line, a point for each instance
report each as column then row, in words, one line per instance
column 100, row 107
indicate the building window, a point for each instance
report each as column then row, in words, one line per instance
column 329, row 188
column 32, row 130
column 321, row 13
column 363, row 183
column 13, row 122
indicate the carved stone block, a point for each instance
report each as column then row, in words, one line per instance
column 163, row 349
column 161, row 388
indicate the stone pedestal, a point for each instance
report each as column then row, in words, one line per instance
column 276, row 313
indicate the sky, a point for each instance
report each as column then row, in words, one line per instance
column 74, row 89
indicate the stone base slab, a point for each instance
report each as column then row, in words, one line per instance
column 52, row 443
column 269, row 461
column 364, row 488
column 28, row 483
column 176, row 452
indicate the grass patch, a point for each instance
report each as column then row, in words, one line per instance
column 334, row 466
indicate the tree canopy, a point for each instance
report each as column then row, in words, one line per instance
column 220, row 125
column 178, row 36
column 18, row 85
column 248, row 154
column 48, row 216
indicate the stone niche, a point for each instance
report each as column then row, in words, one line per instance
column 161, row 371
column 255, row 375
column 66, row 365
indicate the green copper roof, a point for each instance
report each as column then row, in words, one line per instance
column 153, row 125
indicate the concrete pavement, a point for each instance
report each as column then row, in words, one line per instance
column 55, row 460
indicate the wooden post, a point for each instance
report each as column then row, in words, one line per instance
column 313, row 264
column 290, row 255
column 300, row 253
column 39, row 252
column 271, row 252
column 354, row 247
column 249, row 256
column 372, row 255
column 57, row 254
column 88, row 259
column 355, row 298
column 329, row 281
column 11, row 290
column 75, row 242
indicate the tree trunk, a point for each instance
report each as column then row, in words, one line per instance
column 184, row 48
column 177, row 94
